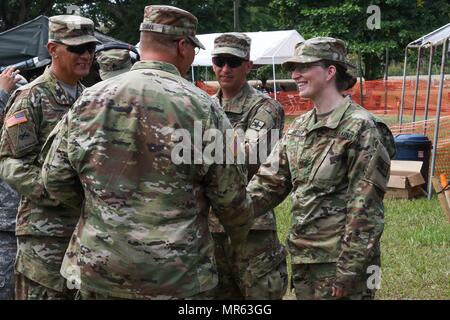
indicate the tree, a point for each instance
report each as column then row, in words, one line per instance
column 402, row 21
column 15, row 12
column 121, row 18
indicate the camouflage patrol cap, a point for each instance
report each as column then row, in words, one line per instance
column 171, row 20
column 236, row 44
column 316, row 49
column 113, row 62
column 71, row 30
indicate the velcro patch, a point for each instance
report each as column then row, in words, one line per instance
column 383, row 167
column 257, row 124
column 17, row 118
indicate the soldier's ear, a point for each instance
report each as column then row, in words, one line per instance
column 183, row 47
column 249, row 66
column 51, row 47
column 331, row 70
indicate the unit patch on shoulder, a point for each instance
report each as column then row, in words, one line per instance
column 257, row 125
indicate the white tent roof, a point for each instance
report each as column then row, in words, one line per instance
column 267, row 46
column 434, row 38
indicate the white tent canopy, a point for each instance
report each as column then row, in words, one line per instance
column 268, row 47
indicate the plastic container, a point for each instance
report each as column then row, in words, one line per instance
column 414, row 147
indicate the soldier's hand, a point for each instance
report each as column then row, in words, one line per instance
column 8, row 79
column 337, row 291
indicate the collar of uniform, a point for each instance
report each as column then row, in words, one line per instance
column 333, row 120
column 58, row 92
column 235, row 104
column 156, row 65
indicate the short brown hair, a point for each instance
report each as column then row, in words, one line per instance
column 344, row 80
column 159, row 40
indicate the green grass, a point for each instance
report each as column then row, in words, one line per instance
column 415, row 249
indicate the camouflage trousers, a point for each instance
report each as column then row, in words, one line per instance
column 89, row 295
column 8, row 249
column 260, row 273
column 27, row 289
column 38, row 266
column 314, row 282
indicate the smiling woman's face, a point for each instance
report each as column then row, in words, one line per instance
column 311, row 79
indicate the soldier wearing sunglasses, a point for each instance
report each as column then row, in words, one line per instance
column 260, row 272
column 44, row 226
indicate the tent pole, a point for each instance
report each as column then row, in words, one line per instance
column 416, row 92
column 438, row 115
column 427, row 101
column 274, row 79
column 402, row 101
column 361, row 91
column 386, row 78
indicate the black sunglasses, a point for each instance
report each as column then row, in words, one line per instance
column 232, row 62
column 82, row 48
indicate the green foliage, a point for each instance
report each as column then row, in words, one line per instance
column 264, row 73
column 402, row 21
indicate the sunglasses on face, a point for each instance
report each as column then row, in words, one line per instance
column 232, row 62
column 82, row 48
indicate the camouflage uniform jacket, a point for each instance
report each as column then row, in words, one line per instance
column 251, row 111
column 4, row 96
column 144, row 231
column 9, row 199
column 337, row 169
column 32, row 112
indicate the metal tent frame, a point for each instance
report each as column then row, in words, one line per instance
column 439, row 37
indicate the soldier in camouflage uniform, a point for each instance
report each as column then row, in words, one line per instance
column 261, row 272
column 43, row 224
column 9, row 201
column 113, row 62
column 335, row 160
column 144, row 233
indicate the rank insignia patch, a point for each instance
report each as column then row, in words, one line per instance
column 257, row 125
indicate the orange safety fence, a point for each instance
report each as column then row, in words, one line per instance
column 208, row 89
column 385, row 96
column 379, row 96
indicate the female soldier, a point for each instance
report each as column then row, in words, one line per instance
column 336, row 161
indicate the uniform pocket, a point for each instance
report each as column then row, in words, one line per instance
column 264, row 263
column 294, row 146
column 323, row 170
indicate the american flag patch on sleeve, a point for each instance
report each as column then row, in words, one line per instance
column 16, row 118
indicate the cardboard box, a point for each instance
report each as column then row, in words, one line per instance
column 406, row 180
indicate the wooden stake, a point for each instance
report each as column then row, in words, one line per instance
column 445, row 203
